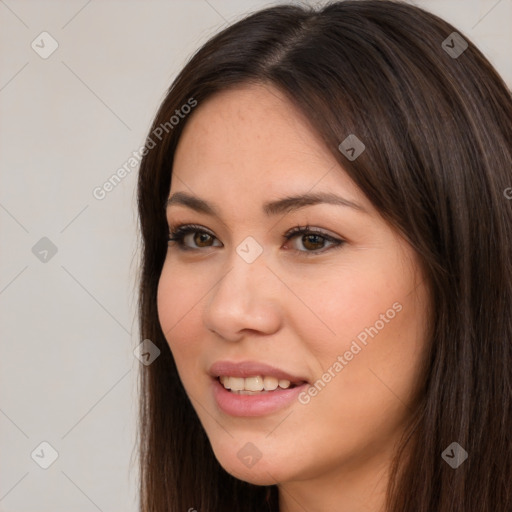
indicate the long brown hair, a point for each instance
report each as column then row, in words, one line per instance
column 437, row 126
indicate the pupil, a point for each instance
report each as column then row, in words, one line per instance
column 315, row 240
column 201, row 238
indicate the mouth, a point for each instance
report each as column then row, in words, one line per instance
column 255, row 385
column 253, row 389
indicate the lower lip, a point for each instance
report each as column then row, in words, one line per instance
column 254, row 405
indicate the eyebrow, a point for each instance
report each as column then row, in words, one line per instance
column 284, row 205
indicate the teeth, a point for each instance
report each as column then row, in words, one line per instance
column 270, row 383
column 285, row 384
column 236, row 383
column 251, row 385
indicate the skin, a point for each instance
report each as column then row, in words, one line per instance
column 292, row 309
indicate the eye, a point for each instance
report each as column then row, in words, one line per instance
column 312, row 240
column 309, row 241
column 192, row 236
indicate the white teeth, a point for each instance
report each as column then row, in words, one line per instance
column 285, row 384
column 236, row 383
column 253, row 384
column 250, row 385
column 270, row 383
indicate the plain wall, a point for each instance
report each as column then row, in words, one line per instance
column 68, row 375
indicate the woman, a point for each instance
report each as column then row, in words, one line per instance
column 326, row 270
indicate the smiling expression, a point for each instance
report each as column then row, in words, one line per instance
column 277, row 263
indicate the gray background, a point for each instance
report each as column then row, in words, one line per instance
column 68, row 329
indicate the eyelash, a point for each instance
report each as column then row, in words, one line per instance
column 178, row 234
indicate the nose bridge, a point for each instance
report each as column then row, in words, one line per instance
column 246, row 269
column 242, row 297
column 245, row 278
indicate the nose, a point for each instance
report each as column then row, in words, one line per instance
column 244, row 301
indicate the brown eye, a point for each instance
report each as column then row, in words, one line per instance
column 202, row 239
column 191, row 236
column 313, row 242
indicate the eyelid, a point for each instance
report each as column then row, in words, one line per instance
column 307, row 229
column 183, row 227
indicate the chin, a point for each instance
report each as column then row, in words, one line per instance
column 254, row 475
column 257, row 472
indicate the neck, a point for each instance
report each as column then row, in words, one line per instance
column 344, row 490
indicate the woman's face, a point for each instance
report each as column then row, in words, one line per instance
column 334, row 317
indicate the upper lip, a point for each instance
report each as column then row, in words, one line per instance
column 252, row 369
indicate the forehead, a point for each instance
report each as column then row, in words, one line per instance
column 253, row 142
column 235, row 125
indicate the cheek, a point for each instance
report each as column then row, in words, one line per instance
column 178, row 302
column 365, row 390
column 343, row 303
column 368, row 337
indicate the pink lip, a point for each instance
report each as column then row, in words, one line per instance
column 261, row 404
column 254, row 405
